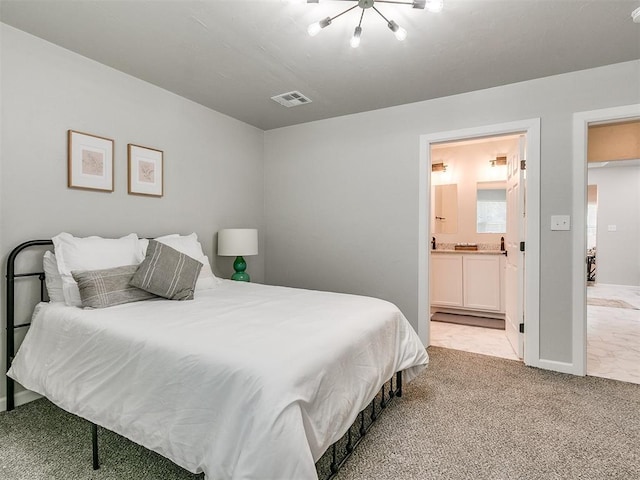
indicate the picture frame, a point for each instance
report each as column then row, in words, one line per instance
column 146, row 171
column 89, row 162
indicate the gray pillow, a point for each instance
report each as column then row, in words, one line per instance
column 167, row 272
column 108, row 287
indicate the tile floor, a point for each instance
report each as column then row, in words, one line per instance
column 613, row 336
column 487, row 341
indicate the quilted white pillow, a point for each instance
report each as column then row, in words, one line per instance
column 52, row 277
column 92, row 253
column 189, row 245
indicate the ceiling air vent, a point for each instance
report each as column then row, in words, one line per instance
column 291, row 99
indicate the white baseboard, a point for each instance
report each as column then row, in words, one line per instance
column 562, row 367
column 22, row 397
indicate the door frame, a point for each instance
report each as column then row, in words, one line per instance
column 531, row 128
column 581, row 121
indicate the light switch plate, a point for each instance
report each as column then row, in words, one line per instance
column 560, row 222
column 612, row 228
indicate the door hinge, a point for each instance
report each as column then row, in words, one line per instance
column 522, row 246
column 522, row 328
column 523, row 164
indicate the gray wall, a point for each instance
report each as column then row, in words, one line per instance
column 213, row 163
column 341, row 195
column 618, row 253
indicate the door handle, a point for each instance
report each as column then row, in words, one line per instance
column 505, row 253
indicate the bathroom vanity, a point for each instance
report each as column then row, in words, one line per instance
column 468, row 282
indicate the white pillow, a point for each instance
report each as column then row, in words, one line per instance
column 189, row 245
column 92, row 253
column 52, row 277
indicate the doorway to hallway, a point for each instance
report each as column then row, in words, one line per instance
column 594, row 309
column 613, row 259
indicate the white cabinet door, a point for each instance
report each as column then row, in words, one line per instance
column 481, row 274
column 446, row 280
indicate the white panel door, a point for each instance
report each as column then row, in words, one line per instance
column 446, row 279
column 481, row 274
column 514, row 269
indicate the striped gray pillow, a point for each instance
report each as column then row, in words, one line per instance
column 167, row 272
column 108, row 287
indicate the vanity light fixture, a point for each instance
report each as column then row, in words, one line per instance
column 498, row 161
column 398, row 31
column 438, row 167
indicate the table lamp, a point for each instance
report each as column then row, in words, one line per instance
column 238, row 242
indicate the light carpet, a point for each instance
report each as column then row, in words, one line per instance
column 467, row 416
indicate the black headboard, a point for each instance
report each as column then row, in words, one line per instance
column 11, row 326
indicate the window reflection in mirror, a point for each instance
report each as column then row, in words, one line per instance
column 445, row 209
column 491, row 207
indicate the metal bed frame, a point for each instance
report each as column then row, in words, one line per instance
column 337, row 454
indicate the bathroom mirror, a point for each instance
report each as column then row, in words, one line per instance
column 445, row 209
column 491, row 207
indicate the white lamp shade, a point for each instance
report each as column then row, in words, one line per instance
column 234, row 242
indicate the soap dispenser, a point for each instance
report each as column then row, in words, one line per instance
column 433, row 243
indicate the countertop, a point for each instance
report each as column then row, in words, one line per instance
column 471, row 252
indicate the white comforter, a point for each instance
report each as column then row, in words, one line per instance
column 245, row 382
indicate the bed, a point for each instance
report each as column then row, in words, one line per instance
column 245, row 381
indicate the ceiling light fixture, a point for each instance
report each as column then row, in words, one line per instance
column 398, row 31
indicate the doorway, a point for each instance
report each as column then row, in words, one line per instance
column 613, row 258
column 530, row 313
column 471, row 232
column 581, row 123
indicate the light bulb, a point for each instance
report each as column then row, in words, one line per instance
column 400, row 34
column 314, row 28
column 355, row 40
column 435, row 5
column 397, row 30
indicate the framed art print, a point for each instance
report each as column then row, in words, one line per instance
column 89, row 162
column 146, row 173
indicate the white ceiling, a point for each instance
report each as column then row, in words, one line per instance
column 233, row 55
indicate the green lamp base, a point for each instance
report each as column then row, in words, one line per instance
column 239, row 265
